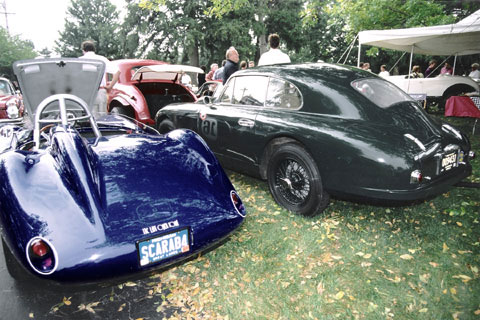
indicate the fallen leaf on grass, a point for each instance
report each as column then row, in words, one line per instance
column 445, row 247
column 477, row 312
column 339, row 295
column 320, row 288
column 433, row 264
column 463, row 277
column 406, row 257
column 424, row 277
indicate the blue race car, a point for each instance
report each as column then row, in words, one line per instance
column 86, row 198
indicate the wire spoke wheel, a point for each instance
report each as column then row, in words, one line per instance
column 292, row 181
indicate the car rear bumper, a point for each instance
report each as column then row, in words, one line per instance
column 423, row 191
column 11, row 121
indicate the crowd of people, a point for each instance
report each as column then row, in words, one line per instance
column 274, row 55
column 231, row 64
column 431, row 71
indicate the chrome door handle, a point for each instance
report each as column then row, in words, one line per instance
column 246, row 123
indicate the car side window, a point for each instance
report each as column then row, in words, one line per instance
column 5, row 88
column 228, row 92
column 250, row 90
column 283, row 94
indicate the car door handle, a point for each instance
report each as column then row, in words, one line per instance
column 246, row 123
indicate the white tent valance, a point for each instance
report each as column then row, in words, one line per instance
column 462, row 38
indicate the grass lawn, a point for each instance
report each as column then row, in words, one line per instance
column 356, row 261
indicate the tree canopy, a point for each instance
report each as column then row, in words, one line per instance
column 95, row 20
column 198, row 32
column 13, row 48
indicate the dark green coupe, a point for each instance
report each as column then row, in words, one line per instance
column 314, row 130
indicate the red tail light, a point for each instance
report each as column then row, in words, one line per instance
column 237, row 203
column 42, row 256
column 39, row 248
column 416, row 177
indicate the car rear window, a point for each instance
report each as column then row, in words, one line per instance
column 381, row 92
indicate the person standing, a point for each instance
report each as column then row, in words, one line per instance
column 201, row 76
column 447, row 69
column 274, row 55
column 100, row 104
column 431, row 68
column 218, row 75
column 383, row 71
column 213, row 68
column 475, row 74
column 231, row 66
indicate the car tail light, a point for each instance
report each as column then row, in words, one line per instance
column 41, row 255
column 237, row 203
column 39, row 248
column 416, row 177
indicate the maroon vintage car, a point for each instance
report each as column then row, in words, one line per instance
column 146, row 86
column 11, row 103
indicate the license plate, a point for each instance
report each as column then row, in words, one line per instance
column 449, row 161
column 162, row 247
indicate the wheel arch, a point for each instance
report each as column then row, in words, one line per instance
column 457, row 88
column 121, row 103
column 270, row 147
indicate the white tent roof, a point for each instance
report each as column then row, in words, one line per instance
column 462, row 38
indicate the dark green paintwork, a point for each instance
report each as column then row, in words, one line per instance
column 360, row 149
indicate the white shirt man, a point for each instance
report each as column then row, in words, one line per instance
column 274, row 55
column 100, row 103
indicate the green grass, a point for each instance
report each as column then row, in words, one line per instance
column 355, row 261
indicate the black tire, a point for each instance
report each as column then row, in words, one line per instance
column 165, row 126
column 294, row 180
column 123, row 111
column 14, row 268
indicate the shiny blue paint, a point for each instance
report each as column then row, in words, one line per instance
column 92, row 199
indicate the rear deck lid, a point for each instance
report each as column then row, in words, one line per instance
column 169, row 72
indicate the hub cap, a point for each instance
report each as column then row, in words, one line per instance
column 292, row 181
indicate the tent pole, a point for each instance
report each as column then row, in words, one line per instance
column 359, row 51
column 410, row 69
column 454, row 63
column 349, row 49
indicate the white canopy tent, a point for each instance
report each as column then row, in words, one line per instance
column 461, row 38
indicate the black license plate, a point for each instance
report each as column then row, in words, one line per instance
column 449, row 161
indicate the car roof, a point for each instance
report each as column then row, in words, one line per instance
column 305, row 72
